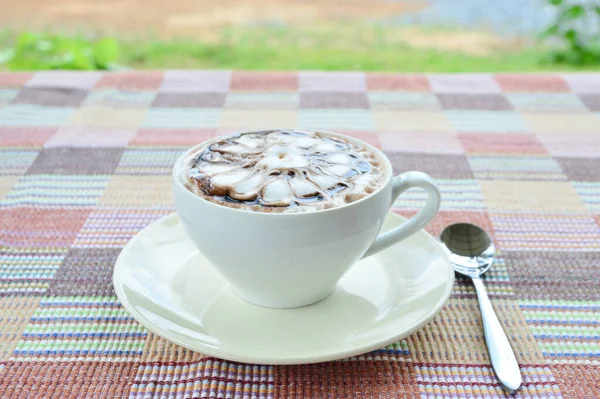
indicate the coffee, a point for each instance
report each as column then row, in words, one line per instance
column 283, row 171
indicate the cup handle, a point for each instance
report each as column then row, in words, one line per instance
column 400, row 184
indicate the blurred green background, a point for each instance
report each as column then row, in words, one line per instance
column 410, row 35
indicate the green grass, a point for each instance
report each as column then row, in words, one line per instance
column 260, row 56
column 347, row 48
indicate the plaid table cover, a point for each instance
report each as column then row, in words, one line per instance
column 85, row 162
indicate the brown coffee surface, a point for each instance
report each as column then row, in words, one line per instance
column 283, row 171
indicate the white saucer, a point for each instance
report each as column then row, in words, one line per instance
column 168, row 286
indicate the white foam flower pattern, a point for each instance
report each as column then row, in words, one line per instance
column 281, row 168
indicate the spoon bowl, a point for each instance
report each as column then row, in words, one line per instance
column 470, row 247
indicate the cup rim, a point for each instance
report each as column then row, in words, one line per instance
column 380, row 154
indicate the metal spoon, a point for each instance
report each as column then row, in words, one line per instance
column 472, row 254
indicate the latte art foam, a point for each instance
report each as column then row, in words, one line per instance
column 283, row 171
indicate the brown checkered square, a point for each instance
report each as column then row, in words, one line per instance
column 334, row 100
column 554, row 275
column 77, row 161
column 581, row 169
column 492, row 102
column 85, row 272
column 51, row 96
column 439, row 166
column 591, row 101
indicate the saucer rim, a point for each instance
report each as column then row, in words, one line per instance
column 211, row 351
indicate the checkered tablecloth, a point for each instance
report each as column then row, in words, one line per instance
column 85, row 163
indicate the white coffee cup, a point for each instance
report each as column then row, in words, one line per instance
column 287, row 260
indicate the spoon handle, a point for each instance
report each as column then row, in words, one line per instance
column 501, row 354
